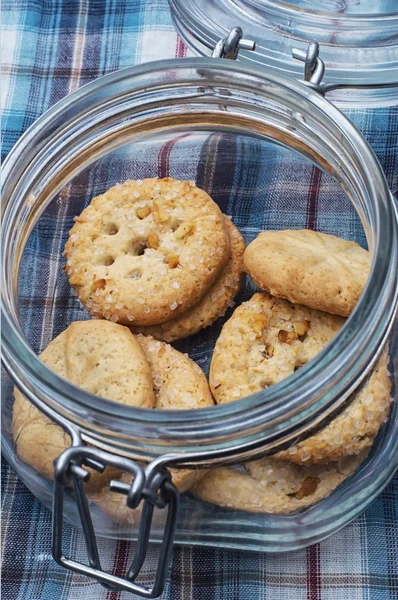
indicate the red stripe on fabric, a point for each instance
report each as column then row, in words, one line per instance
column 181, row 49
column 119, row 565
column 313, row 573
column 312, row 202
column 164, row 156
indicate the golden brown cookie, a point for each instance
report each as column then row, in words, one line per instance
column 179, row 383
column 99, row 356
column 273, row 486
column 306, row 267
column 355, row 429
column 146, row 251
column 214, row 304
column 266, row 340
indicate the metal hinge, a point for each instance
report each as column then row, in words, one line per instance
column 229, row 46
column 314, row 67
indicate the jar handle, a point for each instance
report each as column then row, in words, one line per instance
column 151, row 485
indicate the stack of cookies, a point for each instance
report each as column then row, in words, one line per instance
column 157, row 255
column 155, row 261
column 311, row 282
column 106, row 359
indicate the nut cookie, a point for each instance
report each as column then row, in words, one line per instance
column 266, row 340
column 306, row 267
column 273, row 486
column 146, row 251
column 179, row 383
column 99, row 356
column 355, row 429
column 214, row 304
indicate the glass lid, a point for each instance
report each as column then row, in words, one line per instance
column 358, row 38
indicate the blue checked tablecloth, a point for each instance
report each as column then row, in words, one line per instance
column 49, row 48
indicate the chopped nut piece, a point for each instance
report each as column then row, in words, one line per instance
column 99, row 284
column 183, row 230
column 269, row 350
column 287, row 337
column 152, row 240
column 159, row 214
column 173, row 260
column 143, row 212
column 301, row 327
column 308, row 487
column 259, row 323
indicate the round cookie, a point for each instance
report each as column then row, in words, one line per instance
column 179, row 383
column 146, row 251
column 355, row 429
column 214, row 304
column 273, row 486
column 306, row 267
column 266, row 340
column 99, row 356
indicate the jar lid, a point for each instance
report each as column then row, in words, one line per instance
column 358, row 38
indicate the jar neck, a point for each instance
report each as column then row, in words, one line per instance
column 174, row 95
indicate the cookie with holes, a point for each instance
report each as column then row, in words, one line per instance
column 146, row 251
column 306, row 267
column 102, row 358
column 271, row 486
column 266, row 340
column 214, row 304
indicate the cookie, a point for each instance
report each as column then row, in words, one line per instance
column 179, row 383
column 146, row 251
column 306, row 267
column 214, row 304
column 99, row 356
column 273, row 486
column 266, row 340
column 355, row 429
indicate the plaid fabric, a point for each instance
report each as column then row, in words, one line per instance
column 49, row 48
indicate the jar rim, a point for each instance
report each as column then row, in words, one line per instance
column 267, row 410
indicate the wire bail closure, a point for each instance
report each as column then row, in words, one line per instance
column 152, row 486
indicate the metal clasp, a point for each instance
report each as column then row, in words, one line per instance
column 314, row 67
column 151, row 485
column 229, row 47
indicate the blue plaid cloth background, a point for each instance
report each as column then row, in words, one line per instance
column 49, row 48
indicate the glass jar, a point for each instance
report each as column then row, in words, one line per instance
column 224, row 126
column 358, row 40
